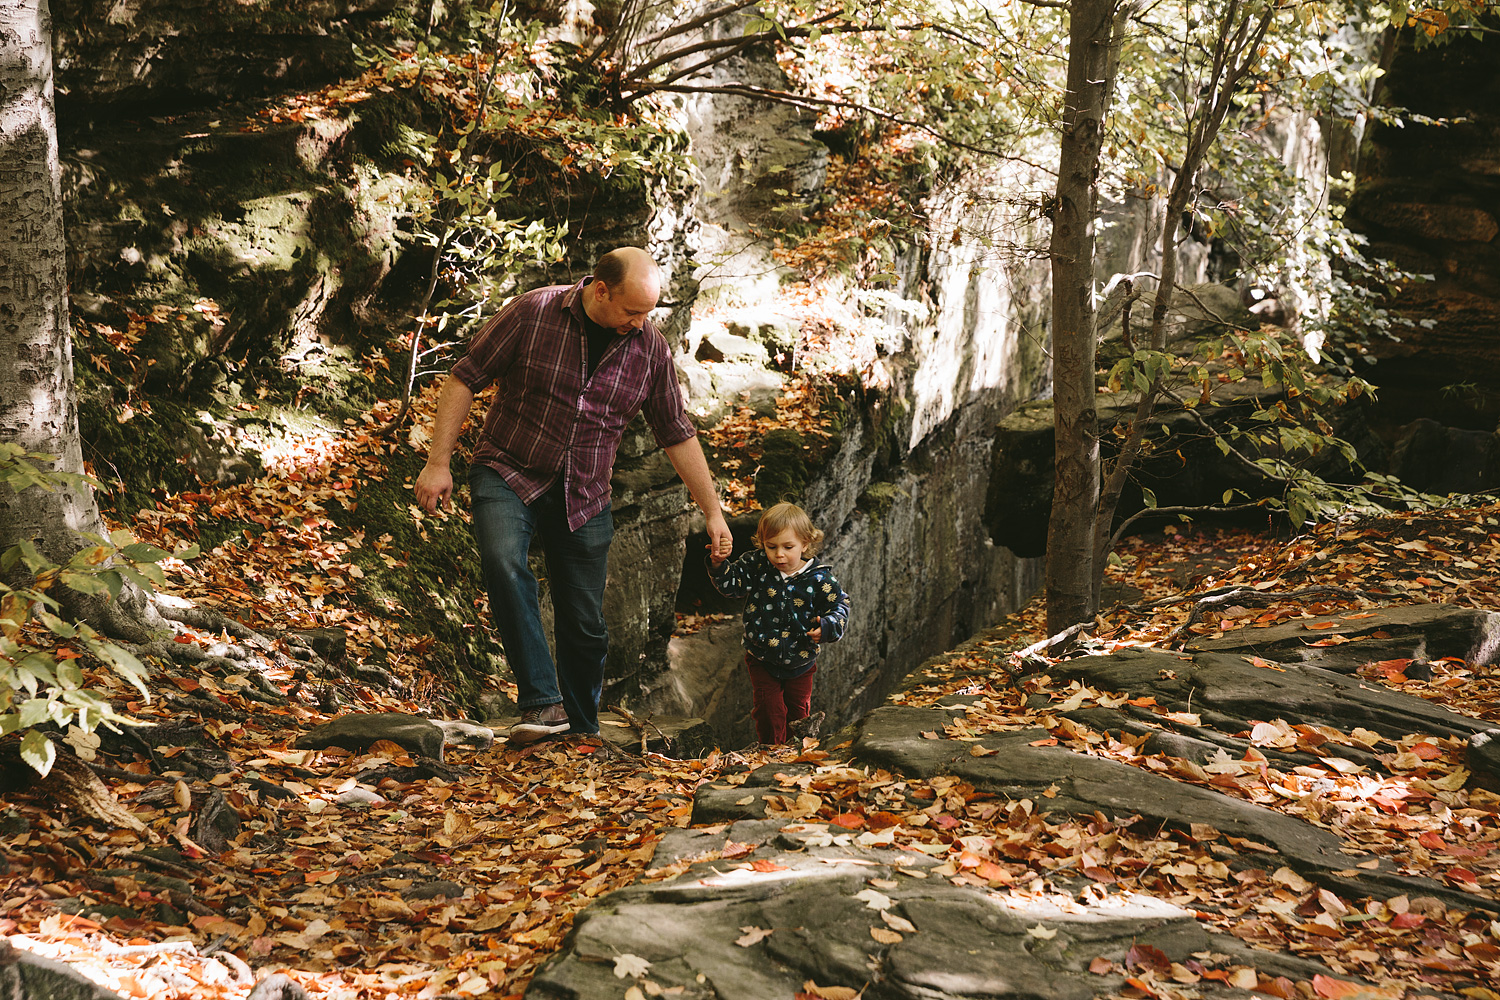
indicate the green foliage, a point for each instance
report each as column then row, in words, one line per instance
column 524, row 126
column 41, row 683
column 1438, row 22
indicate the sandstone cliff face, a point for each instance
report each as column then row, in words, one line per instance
column 1428, row 196
column 902, row 496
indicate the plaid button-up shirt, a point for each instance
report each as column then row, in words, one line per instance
column 550, row 418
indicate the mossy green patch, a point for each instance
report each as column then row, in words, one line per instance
column 878, row 498
column 783, row 469
column 435, row 582
column 135, row 458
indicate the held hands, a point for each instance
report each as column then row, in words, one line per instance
column 720, row 543
column 816, row 632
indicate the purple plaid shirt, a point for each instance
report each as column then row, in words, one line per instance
column 550, row 418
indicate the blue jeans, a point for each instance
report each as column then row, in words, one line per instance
column 577, row 562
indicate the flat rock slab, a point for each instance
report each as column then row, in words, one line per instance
column 1080, row 785
column 820, row 910
column 797, row 904
column 26, row 976
column 1231, row 693
column 1413, row 631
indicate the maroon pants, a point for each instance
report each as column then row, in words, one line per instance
column 776, row 701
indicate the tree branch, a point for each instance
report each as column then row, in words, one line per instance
column 736, row 44
column 818, row 103
column 1250, row 597
column 1147, row 512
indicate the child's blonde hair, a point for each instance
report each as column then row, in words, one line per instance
column 784, row 517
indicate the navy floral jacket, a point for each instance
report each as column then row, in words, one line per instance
column 780, row 611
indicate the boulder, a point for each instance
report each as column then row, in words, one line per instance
column 1441, row 459
column 358, row 731
column 731, row 347
column 469, row 735
column 1482, row 757
column 25, row 976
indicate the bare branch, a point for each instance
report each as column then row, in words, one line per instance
column 1249, row 597
column 697, row 22
column 743, row 41
column 1052, row 641
column 818, row 103
column 1147, row 512
column 1249, row 462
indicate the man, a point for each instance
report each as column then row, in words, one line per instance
column 574, row 364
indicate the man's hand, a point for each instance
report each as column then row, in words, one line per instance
column 720, row 541
column 816, row 632
column 434, row 488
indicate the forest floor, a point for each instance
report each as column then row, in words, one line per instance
column 462, row 885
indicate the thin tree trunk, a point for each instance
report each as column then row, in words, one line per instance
column 1070, row 530
column 1236, row 51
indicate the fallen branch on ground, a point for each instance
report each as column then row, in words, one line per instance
column 1249, row 597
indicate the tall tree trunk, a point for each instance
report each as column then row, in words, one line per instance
column 1070, row 530
column 38, row 405
column 38, row 408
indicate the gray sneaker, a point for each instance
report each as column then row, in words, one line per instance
column 546, row 720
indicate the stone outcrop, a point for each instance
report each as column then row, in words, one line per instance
column 1185, row 469
column 1428, row 197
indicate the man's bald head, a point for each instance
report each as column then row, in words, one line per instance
column 625, row 265
column 626, row 287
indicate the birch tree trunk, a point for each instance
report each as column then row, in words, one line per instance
column 38, row 408
column 1070, row 529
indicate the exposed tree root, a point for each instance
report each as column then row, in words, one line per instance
column 71, row 783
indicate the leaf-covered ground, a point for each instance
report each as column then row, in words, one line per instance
column 404, row 886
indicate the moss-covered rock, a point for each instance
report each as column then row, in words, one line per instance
column 783, row 467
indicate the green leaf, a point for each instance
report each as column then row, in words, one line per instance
column 125, row 664
column 35, row 562
column 1149, row 497
column 38, row 751
column 35, row 711
column 58, row 627
column 83, row 582
column 69, row 675
column 144, row 552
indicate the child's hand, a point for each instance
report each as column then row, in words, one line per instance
column 816, row 632
column 717, row 553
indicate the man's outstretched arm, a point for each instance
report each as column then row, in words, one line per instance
column 434, row 485
column 687, row 458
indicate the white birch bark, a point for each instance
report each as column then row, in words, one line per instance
column 38, row 407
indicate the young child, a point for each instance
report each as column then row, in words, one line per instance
column 793, row 603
